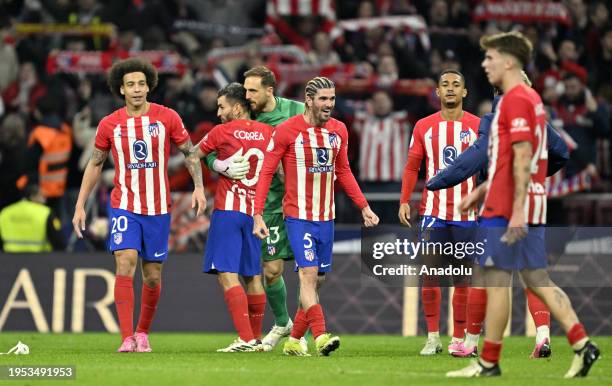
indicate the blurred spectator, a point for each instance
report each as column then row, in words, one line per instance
column 384, row 135
column 387, row 71
column 485, row 107
column 584, row 119
column 254, row 58
column 30, row 226
column 204, row 116
column 12, row 157
column 9, row 66
column 322, row 53
column 601, row 76
column 598, row 18
column 49, row 147
column 21, row 95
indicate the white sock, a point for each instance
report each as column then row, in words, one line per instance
column 435, row 335
column 471, row 340
column 542, row 332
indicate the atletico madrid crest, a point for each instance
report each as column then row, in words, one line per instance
column 309, row 254
column 153, row 129
column 271, row 250
column 464, row 136
column 118, row 238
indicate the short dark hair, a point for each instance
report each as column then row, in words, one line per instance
column 119, row 69
column 267, row 76
column 513, row 43
column 451, row 71
column 235, row 93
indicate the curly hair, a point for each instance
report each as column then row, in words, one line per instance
column 119, row 69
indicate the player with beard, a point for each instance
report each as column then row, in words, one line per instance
column 440, row 138
column 313, row 150
column 260, row 84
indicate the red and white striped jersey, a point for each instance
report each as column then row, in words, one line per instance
column 242, row 137
column 383, row 141
column 141, row 147
column 311, row 157
column 520, row 116
column 440, row 141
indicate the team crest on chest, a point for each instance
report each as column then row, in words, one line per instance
column 334, row 141
column 465, row 136
column 153, row 129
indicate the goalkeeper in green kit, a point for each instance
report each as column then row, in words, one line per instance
column 259, row 83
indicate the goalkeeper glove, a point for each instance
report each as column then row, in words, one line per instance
column 235, row 167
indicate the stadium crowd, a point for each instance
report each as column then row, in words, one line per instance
column 384, row 56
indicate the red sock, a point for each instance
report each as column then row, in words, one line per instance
column 148, row 306
column 124, row 303
column 476, row 310
column 431, row 306
column 238, row 307
column 257, row 307
column 537, row 308
column 576, row 333
column 300, row 324
column 459, row 311
column 491, row 351
column 316, row 320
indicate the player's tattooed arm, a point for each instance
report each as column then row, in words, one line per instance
column 192, row 162
column 521, row 170
column 98, row 157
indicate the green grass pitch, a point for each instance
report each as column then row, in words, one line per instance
column 190, row 359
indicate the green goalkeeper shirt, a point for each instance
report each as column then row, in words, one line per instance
column 285, row 109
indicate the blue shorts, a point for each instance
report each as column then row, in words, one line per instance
column 312, row 242
column 433, row 229
column 231, row 245
column 528, row 253
column 146, row 234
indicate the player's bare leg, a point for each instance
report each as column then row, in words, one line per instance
column 277, row 299
column 256, row 298
column 126, row 260
column 151, row 289
column 560, row 306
